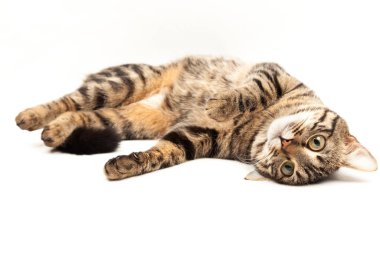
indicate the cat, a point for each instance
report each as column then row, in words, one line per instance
column 210, row 107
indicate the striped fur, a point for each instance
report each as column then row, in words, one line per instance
column 211, row 107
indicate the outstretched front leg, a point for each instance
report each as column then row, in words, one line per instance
column 178, row 146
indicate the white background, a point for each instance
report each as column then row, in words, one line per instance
column 53, row 202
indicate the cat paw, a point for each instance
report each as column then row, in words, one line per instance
column 227, row 105
column 124, row 166
column 54, row 135
column 29, row 120
column 222, row 107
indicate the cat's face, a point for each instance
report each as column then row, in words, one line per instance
column 308, row 146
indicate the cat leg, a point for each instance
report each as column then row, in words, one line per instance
column 178, row 146
column 135, row 121
column 109, row 88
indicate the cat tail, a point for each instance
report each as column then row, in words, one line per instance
column 87, row 141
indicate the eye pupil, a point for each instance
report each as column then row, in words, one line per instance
column 316, row 143
column 287, row 168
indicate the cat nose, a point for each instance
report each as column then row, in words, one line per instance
column 285, row 142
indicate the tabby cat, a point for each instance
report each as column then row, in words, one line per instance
column 209, row 107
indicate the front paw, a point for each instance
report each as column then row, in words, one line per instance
column 220, row 108
column 30, row 120
column 124, row 166
column 227, row 105
column 54, row 135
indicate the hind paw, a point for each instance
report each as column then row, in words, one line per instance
column 29, row 120
column 54, row 135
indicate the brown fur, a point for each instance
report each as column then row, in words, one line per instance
column 212, row 107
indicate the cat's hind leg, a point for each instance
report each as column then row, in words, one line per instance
column 99, row 131
column 178, row 146
column 109, row 88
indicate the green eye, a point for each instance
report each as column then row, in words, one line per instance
column 316, row 143
column 287, row 168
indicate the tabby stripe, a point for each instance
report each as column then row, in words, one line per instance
column 82, row 118
column 250, row 143
column 154, row 69
column 160, row 156
column 317, row 173
column 119, row 72
column 335, row 121
column 105, row 74
column 321, row 119
column 77, row 106
column 277, row 85
column 100, row 99
column 274, row 81
column 298, row 129
column 241, row 105
column 127, row 130
column 239, row 127
column 129, row 83
column 302, row 95
column 104, row 120
column 260, row 84
column 115, row 86
column 96, row 79
column 300, row 176
column 324, row 115
column 212, row 134
column 140, row 73
column 297, row 87
column 181, row 140
column 263, row 101
column 309, row 109
column 266, row 74
column 273, row 171
column 84, row 92
column 168, row 103
column 313, row 172
column 66, row 104
column 319, row 158
column 70, row 103
column 308, row 173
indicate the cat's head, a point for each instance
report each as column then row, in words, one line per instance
column 307, row 147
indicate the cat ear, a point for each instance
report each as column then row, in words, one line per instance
column 255, row 176
column 358, row 157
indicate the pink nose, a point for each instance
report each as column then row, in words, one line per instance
column 285, row 143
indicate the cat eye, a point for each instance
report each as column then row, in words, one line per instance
column 287, row 168
column 316, row 143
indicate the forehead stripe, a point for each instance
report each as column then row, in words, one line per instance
column 333, row 126
column 321, row 119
